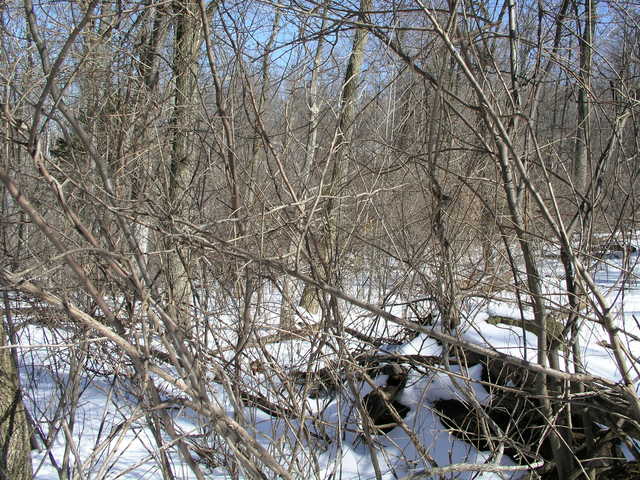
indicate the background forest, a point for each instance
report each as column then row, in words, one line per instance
column 225, row 215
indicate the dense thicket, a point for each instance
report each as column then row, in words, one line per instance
column 170, row 167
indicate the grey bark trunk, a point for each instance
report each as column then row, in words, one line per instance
column 583, row 140
column 309, row 299
column 348, row 111
column 152, row 37
column 188, row 37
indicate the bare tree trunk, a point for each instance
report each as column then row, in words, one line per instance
column 348, row 111
column 153, row 34
column 188, row 37
column 583, row 141
column 438, row 141
column 348, row 101
column 547, row 354
column 309, row 299
column 15, row 457
column 15, row 443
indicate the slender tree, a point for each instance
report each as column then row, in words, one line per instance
column 337, row 155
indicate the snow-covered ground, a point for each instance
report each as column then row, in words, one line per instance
column 87, row 405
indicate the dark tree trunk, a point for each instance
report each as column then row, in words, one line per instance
column 15, row 455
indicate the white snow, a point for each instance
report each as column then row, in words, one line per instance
column 107, row 435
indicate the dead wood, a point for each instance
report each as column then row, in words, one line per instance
column 382, row 405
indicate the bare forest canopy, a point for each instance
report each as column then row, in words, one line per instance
column 190, row 181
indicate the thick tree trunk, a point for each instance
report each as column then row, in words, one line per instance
column 15, row 456
column 188, row 37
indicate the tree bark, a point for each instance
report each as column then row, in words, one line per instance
column 15, row 456
column 309, row 299
column 152, row 37
column 583, row 139
column 188, row 37
column 348, row 111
